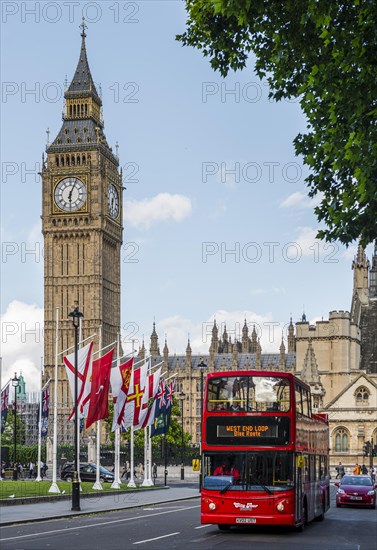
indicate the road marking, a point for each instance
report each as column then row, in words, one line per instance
column 202, row 526
column 123, row 520
column 157, row 538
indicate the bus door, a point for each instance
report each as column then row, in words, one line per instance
column 299, row 468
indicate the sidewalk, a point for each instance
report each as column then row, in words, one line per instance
column 41, row 511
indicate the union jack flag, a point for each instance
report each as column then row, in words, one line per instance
column 169, row 394
column 163, row 410
column 161, row 395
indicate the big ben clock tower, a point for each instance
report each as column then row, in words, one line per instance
column 82, row 228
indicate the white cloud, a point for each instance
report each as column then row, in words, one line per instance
column 151, row 211
column 299, row 200
column 305, row 243
column 22, row 343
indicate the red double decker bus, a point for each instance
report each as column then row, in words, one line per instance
column 264, row 453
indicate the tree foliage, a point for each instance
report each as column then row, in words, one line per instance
column 324, row 53
column 7, row 437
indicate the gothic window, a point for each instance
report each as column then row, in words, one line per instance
column 341, row 440
column 57, row 161
column 66, row 131
column 362, row 395
column 84, row 159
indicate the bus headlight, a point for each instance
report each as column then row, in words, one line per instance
column 212, row 506
column 280, row 507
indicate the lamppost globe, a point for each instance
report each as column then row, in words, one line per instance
column 76, row 315
column 15, row 383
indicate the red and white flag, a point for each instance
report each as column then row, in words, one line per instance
column 84, row 373
column 148, row 402
column 135, row 396
column 99, row 390
column 120, row 378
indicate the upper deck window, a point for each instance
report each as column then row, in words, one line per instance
column 248, row 393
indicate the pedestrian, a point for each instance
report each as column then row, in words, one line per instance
column 31, row 470
column 373, row 474
column 357, row 470
column 364, row 470
column 340, row 471
column 154, row 470
column 20, row 470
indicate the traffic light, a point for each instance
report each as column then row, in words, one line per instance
column 366, row 448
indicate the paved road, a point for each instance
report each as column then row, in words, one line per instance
column 176, row 525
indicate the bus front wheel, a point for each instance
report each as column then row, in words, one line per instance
column 223, row 527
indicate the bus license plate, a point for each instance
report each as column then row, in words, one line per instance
column 246, row 520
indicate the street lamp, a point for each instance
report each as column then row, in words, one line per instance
column 75, row 314
column 182, row 397
column 202, row 367
column 15, row 383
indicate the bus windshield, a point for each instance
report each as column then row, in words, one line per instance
column 268, row 471
column 248, row 393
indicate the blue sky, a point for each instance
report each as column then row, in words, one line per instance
column 217, row 220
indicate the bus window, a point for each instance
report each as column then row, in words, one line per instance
column 306, row 402
column 249, row 470
column 298, row 396
column 248, row 393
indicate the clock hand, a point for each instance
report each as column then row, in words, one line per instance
column 70, row 195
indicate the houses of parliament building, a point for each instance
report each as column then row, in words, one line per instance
column 337, row 357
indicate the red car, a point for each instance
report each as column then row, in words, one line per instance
column 357, row 490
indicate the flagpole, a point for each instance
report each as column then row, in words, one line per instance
column 97, row 485
column 80, row 343
column 38, row 478
column 145, row 480
column 132, row 483
column 115, row 484
column 150, row 481
column 54, row 486
column 100, row 350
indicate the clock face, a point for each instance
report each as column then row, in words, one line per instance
column 70, row 194
column 113, row 201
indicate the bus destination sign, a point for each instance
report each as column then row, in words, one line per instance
column 247, row 430
column 254, row 430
